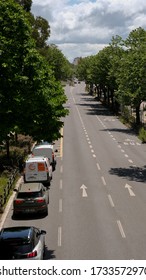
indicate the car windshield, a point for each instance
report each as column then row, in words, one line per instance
column 26, row 195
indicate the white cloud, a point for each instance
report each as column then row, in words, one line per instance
column 81, row 28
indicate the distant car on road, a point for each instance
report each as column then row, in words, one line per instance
column 22, row 242
column 31, row 198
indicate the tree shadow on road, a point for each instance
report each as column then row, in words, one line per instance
column 137, row 174
column 126, row 130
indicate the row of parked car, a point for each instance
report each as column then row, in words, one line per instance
column 32, row 197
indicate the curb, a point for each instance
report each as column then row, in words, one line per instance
column 8, row 206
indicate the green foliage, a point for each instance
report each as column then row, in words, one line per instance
column 84, row 69
column 119, row 71
column 131, row 75
column 26, row 4
column 142, row 134
column 15, row 40
column 31, row 100
column 40, row 31
column 59, row 64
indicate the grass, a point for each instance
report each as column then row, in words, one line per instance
column 3, row 182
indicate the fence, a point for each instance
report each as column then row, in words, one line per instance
column 6, row 190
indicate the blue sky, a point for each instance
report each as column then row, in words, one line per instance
column 81, row 27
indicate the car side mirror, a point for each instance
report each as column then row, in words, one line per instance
column 43, row 231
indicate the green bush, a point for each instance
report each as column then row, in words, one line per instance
column 142, row 134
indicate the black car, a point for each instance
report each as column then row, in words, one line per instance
column 22, row 243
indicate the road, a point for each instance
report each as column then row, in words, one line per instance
column 98, row 193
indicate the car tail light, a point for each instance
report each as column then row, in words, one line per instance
column 40, row 200
column 19, row 201
column 32, row 254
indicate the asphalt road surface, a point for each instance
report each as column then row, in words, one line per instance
column 97, row 206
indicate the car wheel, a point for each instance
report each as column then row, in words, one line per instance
column 46, row 212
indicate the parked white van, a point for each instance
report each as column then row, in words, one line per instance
column 38, row 169
column 46, row 150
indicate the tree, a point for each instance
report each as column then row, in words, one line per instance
column 131, row 75
column 58, row 62
column 26, row 4
column 40, row 32
column 42, row 98
column 30, row 97
column 15, row 39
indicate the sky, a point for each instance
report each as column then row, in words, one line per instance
column 81, row 28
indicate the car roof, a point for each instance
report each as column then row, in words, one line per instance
column 30, row 187
column 44, row 146
column 22, row 232
column 43, row 142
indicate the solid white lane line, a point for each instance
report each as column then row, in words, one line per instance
column 103, row 181
column 121, row 229
column 59, row 236
column 111, row 200
column 60, row 205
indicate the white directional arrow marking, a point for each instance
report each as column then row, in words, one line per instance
column 129, row 189
column 84, row 193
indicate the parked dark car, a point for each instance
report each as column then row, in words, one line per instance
column 31, row 198
column 22, row 243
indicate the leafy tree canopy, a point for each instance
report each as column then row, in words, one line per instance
column 30, row 97
column 26, row 4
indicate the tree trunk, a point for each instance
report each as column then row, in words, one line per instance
column 8, row 148
column 137, row 115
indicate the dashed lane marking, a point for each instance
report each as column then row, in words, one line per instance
column 121, row 229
